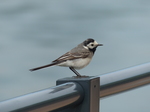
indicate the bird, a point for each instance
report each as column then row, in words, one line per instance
column 76, row 58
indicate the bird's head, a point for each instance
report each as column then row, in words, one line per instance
column 91, row 44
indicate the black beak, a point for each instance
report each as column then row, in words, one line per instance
column 100, row 45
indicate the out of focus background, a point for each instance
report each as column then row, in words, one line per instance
column 35, row 32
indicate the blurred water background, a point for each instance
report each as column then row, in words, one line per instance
column 35, row 32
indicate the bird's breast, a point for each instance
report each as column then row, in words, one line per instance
column 76, row 63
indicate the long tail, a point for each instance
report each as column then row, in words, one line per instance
column 43, row 67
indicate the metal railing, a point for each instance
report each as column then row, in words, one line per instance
column 79, row 94
column 45, row 100
column 125, row 79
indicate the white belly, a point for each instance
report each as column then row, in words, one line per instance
column 77, row 63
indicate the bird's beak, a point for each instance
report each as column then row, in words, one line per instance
column 99, row 44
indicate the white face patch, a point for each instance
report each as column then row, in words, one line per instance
column 86, row 47
column 95, row 43
column 92, row 45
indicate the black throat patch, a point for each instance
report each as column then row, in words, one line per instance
column 93, row 50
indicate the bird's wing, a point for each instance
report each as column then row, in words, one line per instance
column 71, row 56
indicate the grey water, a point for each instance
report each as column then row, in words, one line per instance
column 35, row 32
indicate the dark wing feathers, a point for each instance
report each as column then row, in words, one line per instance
column 71, row 56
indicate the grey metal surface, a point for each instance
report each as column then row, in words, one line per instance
column 125, row 79
column 91, row 87
column 71, row 94
column 45, row 100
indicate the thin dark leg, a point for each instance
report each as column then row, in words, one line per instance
column 71, row 68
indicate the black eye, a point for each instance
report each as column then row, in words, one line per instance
column 92, row 44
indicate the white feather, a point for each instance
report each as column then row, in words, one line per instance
column 77, row 63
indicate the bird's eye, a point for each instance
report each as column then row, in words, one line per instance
column 92, row 44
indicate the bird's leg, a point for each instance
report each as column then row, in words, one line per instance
column 71, row 68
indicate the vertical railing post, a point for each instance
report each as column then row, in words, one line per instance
column 91, row 87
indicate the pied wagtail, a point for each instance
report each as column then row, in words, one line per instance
column 77, row 58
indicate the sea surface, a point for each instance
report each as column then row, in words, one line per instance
column 35, row 32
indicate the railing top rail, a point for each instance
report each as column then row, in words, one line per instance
column 45, row 100
column 126, row 79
